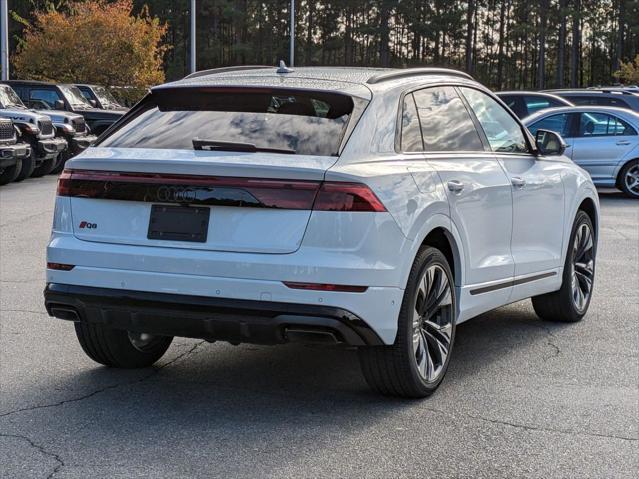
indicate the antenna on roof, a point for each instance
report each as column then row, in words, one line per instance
column 283, row 68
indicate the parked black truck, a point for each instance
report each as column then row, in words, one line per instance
column 37, row 95
column 12, row 151
column 100, row 97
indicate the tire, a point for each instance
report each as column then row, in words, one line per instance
column 116, row 348
column 567, row 305
column 28, row 165
column 11, row 173
column 395, row 370
column 62, row 159
column 628, row 180
column 44, row 168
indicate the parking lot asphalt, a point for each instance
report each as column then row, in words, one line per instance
column 522, row 398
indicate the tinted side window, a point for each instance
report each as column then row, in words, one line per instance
column 582, row 100
column 47, row 96
column 557, row 123
column 608, row 101
column 86, row 93
column 446, row 124
column 536, row 103
column 601, row 124
column 516, row 104
column 411, row 139
column 503, row 132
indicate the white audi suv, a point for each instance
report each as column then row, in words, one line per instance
column 366, row 207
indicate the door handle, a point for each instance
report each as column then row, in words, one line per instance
column 455, row 186
column 623, row 143
column 518, row 182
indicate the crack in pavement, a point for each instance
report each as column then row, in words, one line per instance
column 549, row 342
column 107, row 388
column 26, row 218
column 23, row 311
column 22, row 281
column 60, row 463
column 549, row 429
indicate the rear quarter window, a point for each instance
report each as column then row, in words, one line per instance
column 292, row 121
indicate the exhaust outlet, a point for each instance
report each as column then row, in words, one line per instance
column 62, row 312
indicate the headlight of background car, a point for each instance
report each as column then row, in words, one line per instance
column 33, row 129
column 68, row 129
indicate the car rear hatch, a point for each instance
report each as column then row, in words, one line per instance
column 212, row 169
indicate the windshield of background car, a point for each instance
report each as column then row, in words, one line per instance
column 308, row 123
column 9, row 98
column 74, row 96
column 105, row 96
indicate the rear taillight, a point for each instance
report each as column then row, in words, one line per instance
column 338, row 196
column 219, row 190
column 64, row 183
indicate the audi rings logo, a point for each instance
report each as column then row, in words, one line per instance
column 176, row 194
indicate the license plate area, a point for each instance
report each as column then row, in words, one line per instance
column 179, row 223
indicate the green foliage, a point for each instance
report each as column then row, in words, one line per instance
column 401, row 33
column 629, row 72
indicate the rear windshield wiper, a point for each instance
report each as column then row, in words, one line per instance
column 214, row 145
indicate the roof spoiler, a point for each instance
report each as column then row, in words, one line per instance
column 410, row 72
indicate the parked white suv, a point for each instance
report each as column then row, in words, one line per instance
column 372, row 208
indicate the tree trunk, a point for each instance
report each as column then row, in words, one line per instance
column 469, row 35
column 384, row 33
column 561, row 47
column 620, row 34
column 308, row 51
column 576, row 40
column 500, row 52
column 544, row 5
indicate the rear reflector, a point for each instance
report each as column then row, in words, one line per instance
column 326, row 287
column 219, row 190
column 60, row 266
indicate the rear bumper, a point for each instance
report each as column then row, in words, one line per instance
column 233, row 320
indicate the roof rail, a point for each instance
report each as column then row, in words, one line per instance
column 410, row 72
column 214, row 71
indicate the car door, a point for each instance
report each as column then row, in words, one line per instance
column 536, row 186
column 602, row 141
column 477, row 187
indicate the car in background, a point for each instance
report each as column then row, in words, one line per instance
column 64, row 97
column 363, row 207
column 618, row 97
column 99, row 97
column 525, row 103
column 12, row 152
column 69, row 126
column 35, row 128
column 602, row 140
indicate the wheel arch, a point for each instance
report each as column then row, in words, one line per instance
column 439, row 232
column 620, row 167
column 587, row 200
column 589, row 207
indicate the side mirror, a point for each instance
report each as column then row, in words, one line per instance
column 94, row 103
column 549, row 143
column 58, row 105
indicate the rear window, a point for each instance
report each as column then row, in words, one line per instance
column 231, row 119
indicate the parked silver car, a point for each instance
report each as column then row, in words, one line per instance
column 602, row 140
